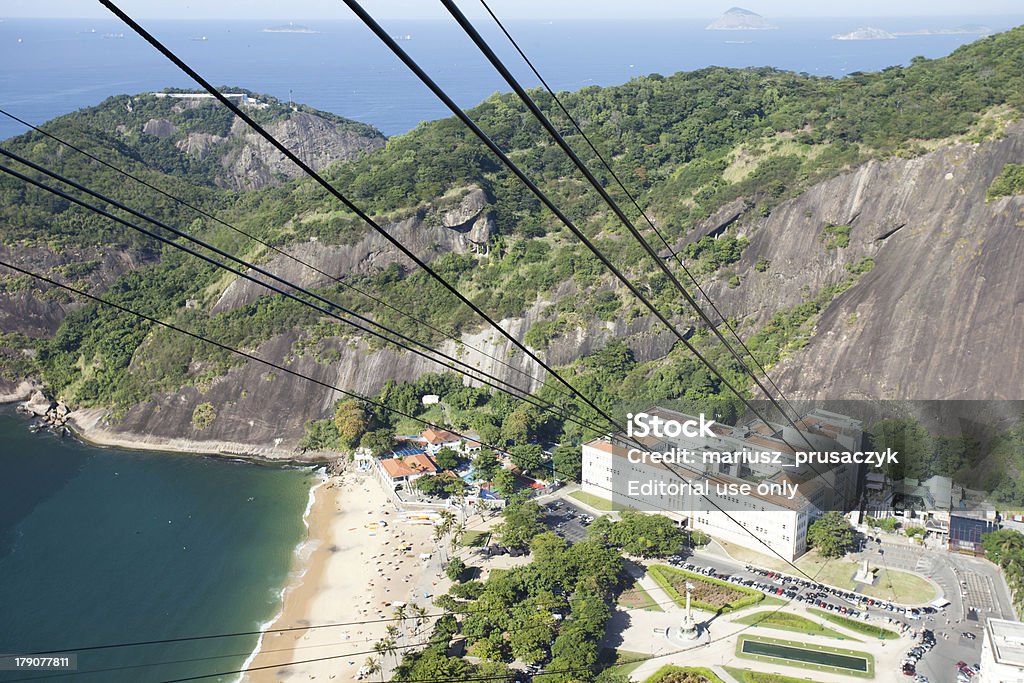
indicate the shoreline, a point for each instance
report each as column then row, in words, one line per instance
column 301, row 568
column 361, row 558
column 82, row 426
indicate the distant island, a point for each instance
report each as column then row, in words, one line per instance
column 739, row 19
column 866, row 33
column 289, row 28
column 968, row 29
column 873, row 33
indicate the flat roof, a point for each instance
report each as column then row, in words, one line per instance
column 603, row 445
column 1007, row 641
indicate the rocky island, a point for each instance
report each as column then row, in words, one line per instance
column 866, row 33
column 289, row 28
column 739, row 19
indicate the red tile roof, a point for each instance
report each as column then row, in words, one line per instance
column 438, row 436
column 409, row 465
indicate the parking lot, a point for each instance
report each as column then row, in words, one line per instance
column 567, row 520
column 932, row 664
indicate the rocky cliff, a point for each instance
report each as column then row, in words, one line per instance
column 937, row 315
column 945, row 284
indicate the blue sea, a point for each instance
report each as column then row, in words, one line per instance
column 102, row 546
column 51, row 67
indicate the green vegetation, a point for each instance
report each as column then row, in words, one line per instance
column 856, row 625
column 639, row 534
column 203, row 416
column 806, row 656
column 513, row 614
column 456, row 569
column 617, row 665
column 1008, row 183
column 1005, row 548
column 914, row 444
column 835, row 236
column 711, row 254
column 708, row 594
column 831, row 535
column 785, row 621
column 670, row 673
column 748, row 676
column 521, row 522
column 475, row 538
column 889, row 524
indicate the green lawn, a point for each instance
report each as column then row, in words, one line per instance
column 892, row 584
column 748, row 676
column 475, row 538
column 635, row 597
column 708, row 594
column 856, row 625
column 622, row 662
column 668, row 673
column 784, row 621
column 808, row 649
column 597, row 502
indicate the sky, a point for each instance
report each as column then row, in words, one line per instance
column 507, row 9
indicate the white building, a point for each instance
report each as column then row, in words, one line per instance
column 1002, row 652
column 775, row 515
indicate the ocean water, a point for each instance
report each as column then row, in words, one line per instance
column 51, row 67
column 102, row 546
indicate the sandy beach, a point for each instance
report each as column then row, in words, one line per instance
column 361, row 556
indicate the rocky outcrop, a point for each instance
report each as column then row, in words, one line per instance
column 38, row 404
column 199, row 144
column 472, row 219
column 159, row 128
column 35, row 309
column 251, row 162
column 936, row 316
column 466, row 228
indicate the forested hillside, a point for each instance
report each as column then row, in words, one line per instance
column 732, row 165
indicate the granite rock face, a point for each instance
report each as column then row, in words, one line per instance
column 252, row 162
column 937, row 316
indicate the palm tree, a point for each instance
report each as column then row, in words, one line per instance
column 390, row 646
column 447, row 521
column 1010, row 545
column 420, row 614
column 401, row 615
column 453, row 542
column 380, row 647
column 442, row 530
column 372, row 666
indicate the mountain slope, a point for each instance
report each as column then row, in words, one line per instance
column 774, row 186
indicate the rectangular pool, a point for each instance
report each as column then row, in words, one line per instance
column 799, row 654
